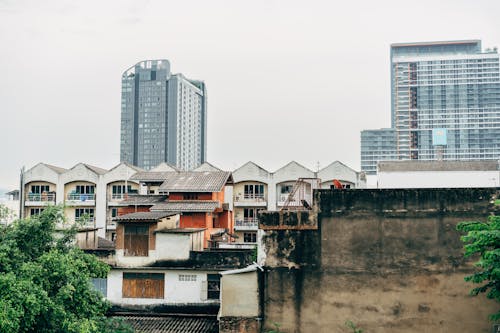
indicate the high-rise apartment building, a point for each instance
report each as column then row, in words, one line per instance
column 445, row 102
column 163, row 117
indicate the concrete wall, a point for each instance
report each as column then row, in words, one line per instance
column 388, row 260
column 237, row 301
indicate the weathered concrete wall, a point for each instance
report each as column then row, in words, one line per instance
column 388, row 260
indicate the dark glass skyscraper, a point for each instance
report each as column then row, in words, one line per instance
column 445, row 102
column 163, row 117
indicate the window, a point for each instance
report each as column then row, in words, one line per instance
column 213, row 286
column 36, row 211
column 136, row 241
column 101, row 285
column 143, row 285
column 187, row 277
column 84, row 189
column 250, row 237
column 114, row 212
column 253, row 191
column 81, row 213
column 39, row 188
column 286, row 189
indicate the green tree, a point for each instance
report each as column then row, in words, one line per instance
column 45, row 280
column 483, row 239
column 5, row 213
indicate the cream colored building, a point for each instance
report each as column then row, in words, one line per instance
column 88, row 193
column 256, row 189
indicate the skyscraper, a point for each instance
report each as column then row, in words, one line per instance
column 163, row 117
column 445, row 102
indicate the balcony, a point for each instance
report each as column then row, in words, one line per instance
column 295, row 202
column 80, row 199
column 248, row 223
column 40, row 199
column 250, row 200
column 116, row 199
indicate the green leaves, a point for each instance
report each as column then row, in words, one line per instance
column 45, row 281
column 483, row 239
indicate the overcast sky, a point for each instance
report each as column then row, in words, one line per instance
column 287, row 80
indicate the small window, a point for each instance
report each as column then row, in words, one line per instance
column 187, row 277
column 213, row 286
column 250, row 237
column 101, row 285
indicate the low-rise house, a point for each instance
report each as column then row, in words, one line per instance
column 199, row 197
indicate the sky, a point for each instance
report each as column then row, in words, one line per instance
column 286, row 80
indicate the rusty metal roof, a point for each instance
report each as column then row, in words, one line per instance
column 173, row 324
column 186, row 206
column 152, row 176
column 143, row 216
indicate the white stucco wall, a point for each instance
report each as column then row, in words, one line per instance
column 438, row 179
column 176, row 292
column 173, row 246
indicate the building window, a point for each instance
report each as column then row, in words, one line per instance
column 254, row 191
column 84, row 189
column 39, row 188
column 187, row 277
column 213, row 286
column 36, row 211
column 84, row 213
column 136, row 241
column 143, row 285
column 286, row 189
column 101, row 285
column 250, row 237
column 114, row 212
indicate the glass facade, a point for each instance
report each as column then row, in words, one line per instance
column 451, row 86
column 163, row 117
column 377, row 145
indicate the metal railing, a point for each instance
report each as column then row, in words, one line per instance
column 45, row 196
column 250, row 197
column 247, row 222
column 81, row 196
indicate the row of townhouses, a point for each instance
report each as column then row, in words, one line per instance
column 206, row 197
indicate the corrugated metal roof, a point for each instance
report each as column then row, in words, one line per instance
column 99, row 171
column 173, row 324
column 138, row 199
column 195, row 181
column 179, row 230
column 207, row 167
column 143, row 216
column 151, row 176
column 186, row 206
column 392, row 166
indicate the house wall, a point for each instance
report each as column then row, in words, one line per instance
column 176, row 292
column 388, row 260
column 177, row 246
column 438, row 179
column 237, row 301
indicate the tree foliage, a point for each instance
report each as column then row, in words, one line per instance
column 45, row 280
column 483, row 239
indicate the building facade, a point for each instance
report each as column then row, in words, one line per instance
column 445, row 102
column 377, row 145
column 257, row 189
column 163, row 117
column 90, row 195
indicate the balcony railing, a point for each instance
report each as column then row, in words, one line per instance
column 81, row 196
column 118, row 196
column 250, row 196
column 247, row 222
column 44, row 197
column 85, row 222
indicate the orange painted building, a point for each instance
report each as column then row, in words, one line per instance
column 197, row 195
